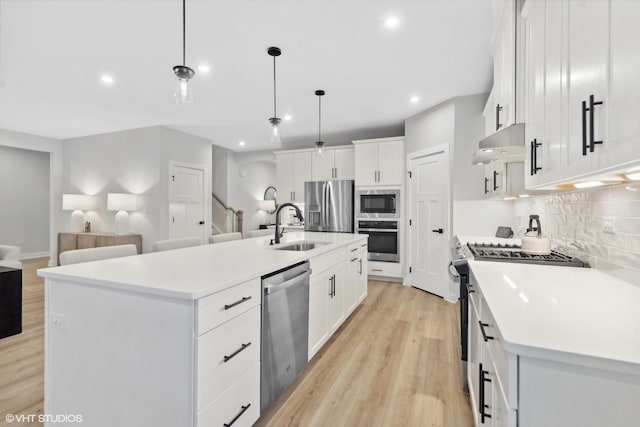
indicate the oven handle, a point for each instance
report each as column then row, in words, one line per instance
column 376, row 230
column 454, row 276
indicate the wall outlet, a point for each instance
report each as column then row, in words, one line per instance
column 608, row 225
column 57, row 320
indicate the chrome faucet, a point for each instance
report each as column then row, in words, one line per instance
column 298, row 215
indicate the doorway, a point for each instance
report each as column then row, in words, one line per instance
column 429, row 221
column 186, row 201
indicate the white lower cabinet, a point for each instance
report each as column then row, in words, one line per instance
column 240, row 405
column 318, row 311
column 336, row 297
column 356, row 277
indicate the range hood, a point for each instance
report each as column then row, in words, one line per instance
column 506, row 144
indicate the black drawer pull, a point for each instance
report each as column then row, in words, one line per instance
column 244, row 408
column 364, row 245
column 470, row 288
column 354, row 249
column 486, row 181
column 353, row 259
column 483, row 406
column 244, row 299
column 484, row 334
column 235, row 353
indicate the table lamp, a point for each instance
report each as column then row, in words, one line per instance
column 121, row 202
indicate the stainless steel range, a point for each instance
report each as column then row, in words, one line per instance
column 491, row 250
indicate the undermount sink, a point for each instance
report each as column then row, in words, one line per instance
column 300, row 246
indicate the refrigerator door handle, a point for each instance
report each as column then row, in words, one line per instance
column 325, row 204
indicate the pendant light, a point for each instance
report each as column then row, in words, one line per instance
column 319, row 142
column 183, row 94
column 275, row 120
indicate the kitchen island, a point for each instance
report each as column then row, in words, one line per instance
column 153, row 340
column 552, row 346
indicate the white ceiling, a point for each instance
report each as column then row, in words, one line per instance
column 53, row 53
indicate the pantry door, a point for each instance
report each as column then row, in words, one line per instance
column 429, row 222
column 186, row 202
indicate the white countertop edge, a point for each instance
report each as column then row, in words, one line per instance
column 50, row 273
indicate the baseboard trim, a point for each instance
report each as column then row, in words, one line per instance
column 32, row 255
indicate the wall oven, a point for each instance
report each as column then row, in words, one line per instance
column 378, row 204
column 384, row 244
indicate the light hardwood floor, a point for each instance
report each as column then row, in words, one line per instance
column 22, row 356
column 395, row 362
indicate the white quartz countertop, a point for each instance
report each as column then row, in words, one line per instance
column 195, row 272
column 576, row 315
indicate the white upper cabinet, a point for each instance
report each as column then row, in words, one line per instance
column 504, row 69
column 379, row 162
column 335, row 163
column 293, row 169
column 582, row 89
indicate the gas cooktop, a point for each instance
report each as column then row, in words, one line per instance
column 513, row 253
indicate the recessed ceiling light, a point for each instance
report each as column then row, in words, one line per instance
column 414, row 99
column 391, row 22
column 241, row 143
column 287, row 117
column 107, row 79
column 204, row 68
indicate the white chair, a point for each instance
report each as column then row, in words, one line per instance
column 259, row 233
column 225, row 237
column 167, row 245
column 10, row 256
column 77, row 256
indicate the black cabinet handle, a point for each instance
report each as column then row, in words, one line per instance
column 235, row 353
column 584, row 128
column 486, row 181
column 470, row 288
column 495, row 181
column 244, row 299
column 592, row 141
column 483, row 406
column 353, row 259
column 531, row 162
column 484, row 334
column 498, row 109
column 354, row 249
column 438, row 230
column 242, row 410
column 534, row 156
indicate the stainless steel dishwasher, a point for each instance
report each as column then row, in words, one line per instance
column 285, row 330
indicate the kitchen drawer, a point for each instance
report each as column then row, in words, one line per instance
column 354, row 247
column 505, row 364
column 323, row 262
column 386, row 269
column 237, row 341
column 218, row 308
column 238, row 405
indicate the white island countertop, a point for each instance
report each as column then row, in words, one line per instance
column 195, row 272
column 568, row 314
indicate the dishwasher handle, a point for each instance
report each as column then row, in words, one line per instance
column 272, row 289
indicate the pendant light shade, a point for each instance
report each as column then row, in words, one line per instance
column 275, row 120
column 183, row 93
column 319, row 142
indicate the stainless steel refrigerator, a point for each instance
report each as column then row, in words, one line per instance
column 328, row 206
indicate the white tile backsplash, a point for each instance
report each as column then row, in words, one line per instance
column 575, row 223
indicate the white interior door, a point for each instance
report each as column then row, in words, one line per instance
column 428, row 233
column 186, row 203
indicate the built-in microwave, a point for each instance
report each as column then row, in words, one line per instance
column 378, row 204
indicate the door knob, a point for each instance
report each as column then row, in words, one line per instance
column 439, row 230
column 201, row 223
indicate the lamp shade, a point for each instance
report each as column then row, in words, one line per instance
column 76, row 202
column 121, row 202
column 266, row 205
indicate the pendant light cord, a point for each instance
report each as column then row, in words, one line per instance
column 319, row 117
column 184, row 32
column 274, row 87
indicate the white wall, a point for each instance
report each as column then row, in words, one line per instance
column 24, row 196
column 54, row 149
column 430, row 128
column 133, row 161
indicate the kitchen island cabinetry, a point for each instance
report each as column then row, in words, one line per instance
column 169, row 338
column 536, row 354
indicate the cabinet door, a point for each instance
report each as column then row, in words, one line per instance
column 301, row 174
column 319, row 287
column 363, row 282
column 488, row 181
column 501, row 415
column 624, row 135
column 489, row 114
column 473, row 359
column 352, row 283
column 345, row 163
column 323, row 166
column 534, row 90
column 390, row 162
column 337, row 297
column 587, row 75
column 504, row 68
column 366, row 164
column 284, row 177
